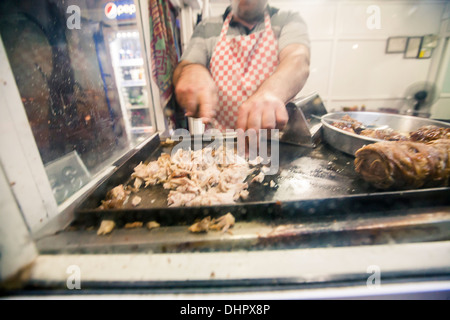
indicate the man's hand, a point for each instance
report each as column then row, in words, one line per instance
column 266, row 108
column 262, row 111
column 196, row 91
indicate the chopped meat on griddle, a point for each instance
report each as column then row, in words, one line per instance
column 259, row 178
column 204, row 177
column 136, row 201
column 115, row 198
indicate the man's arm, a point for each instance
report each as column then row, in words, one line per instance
column 291, row 75
column 195, row 90
column 266, row 108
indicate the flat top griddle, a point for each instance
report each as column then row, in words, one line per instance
column 311, row 184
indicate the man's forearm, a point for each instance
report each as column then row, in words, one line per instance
column 178, row 70
column 195, row 90
column 187, row 64
column 291, row 74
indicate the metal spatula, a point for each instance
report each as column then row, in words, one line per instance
column 303, row 128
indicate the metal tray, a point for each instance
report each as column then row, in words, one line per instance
column 311, row 183
column 349, row 143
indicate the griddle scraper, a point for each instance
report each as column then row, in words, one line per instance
column 303, row 128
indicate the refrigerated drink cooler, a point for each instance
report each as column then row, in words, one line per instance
column 129, row 72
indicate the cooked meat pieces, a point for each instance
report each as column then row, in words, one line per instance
column 106, row 227
column 180, row 199
column 167, row 143
column 424, row 134
column 153, row 173
column 223, row 223
column 343, row 126
column 136, row 201
column 356, row 125
column 405, row 165
column 152, row 225
column 137, row 183
column 197, row 178
column 118, row 193
column 201, row 227
column 430, row 133
column 244, row 194
column 387, row 134
column 115, row 198
column 257, row 161
column 349, row 124
column 133, row 225
column 259, row 178
column 265, row 169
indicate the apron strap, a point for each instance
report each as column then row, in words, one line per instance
column 226, row 24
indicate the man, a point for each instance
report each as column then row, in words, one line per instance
column 239, row 70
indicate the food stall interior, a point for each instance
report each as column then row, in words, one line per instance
column 86, row 108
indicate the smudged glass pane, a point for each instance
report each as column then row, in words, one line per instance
column 81, row 76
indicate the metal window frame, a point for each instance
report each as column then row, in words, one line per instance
column 20, row 156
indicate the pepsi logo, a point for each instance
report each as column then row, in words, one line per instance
column 111, row 10
column 124, row 9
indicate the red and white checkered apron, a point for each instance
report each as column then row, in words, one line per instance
column 239, row 66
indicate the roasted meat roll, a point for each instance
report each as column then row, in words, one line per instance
column 404, row 164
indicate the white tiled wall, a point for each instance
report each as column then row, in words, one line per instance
column 363, row 70
column 349, row 65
